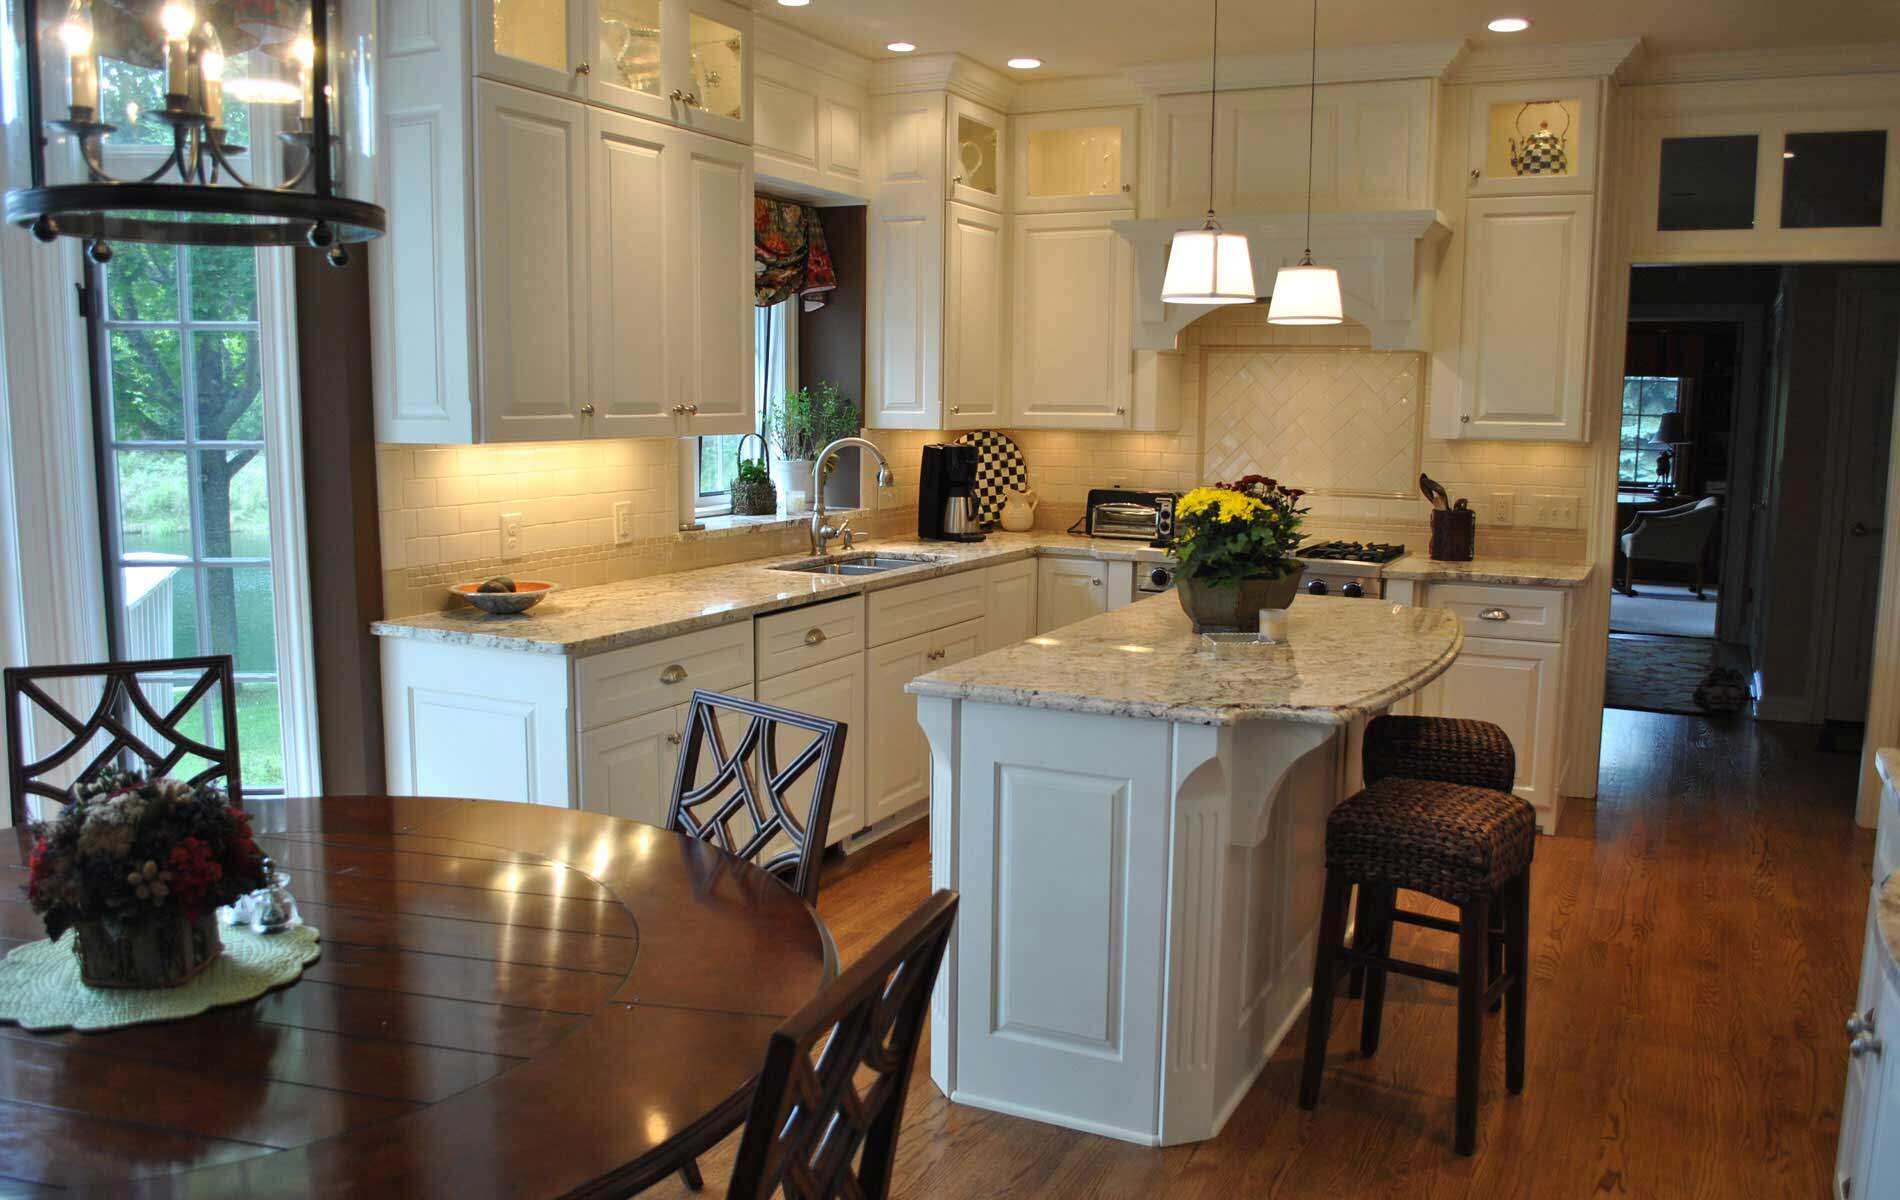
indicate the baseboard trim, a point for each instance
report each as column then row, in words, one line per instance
column 990, row 1104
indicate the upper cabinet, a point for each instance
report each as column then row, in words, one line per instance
column 1525, row 140
column 555, row 269
column 1074, row 161
column 1073, row 363
column 810, row 128
column 1372, row 150
column 974, row 150
column 687, row 62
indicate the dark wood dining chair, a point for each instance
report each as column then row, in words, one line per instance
column 123, row 707
column 743, row 807
column 830, row 1100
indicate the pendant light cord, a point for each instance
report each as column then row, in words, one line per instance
column 1312, row 115
column 1213, row 87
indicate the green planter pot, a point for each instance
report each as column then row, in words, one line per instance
column 1235, row 607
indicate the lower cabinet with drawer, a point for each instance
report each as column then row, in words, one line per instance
column 627, row 768
column 811, row 660
column 897, row 758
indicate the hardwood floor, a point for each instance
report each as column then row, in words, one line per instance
column 1695, row 935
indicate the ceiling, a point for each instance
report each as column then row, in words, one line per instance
column 1091, row 37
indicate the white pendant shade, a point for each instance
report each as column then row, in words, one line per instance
column 1207, row 266
column 1305, row 295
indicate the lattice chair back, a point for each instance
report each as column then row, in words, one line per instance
column 743, row 801
column 127, row 723
column 830, row 1100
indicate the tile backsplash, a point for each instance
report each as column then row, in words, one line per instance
column 441, row 506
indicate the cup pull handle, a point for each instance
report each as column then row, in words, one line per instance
column 673, row 674
column 814, row 636
column 672, row 739
column 1494, row 614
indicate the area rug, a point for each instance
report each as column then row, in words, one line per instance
column 1661, row 674
column 1663, row 610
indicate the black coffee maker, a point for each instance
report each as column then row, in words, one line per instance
column 946, row 494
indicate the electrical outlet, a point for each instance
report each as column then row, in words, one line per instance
column 1498, row 508
column 623, row 521
column 511, row 535
column 1556, row 512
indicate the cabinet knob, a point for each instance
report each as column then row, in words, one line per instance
column 1495, row 614
column 1475, row 175
column 587, row 69
column 692, row 410
column 1863, row 1045
column 587, row 410
column 672, row 739
column 1859, row 1023
column 955, row 409
column 1095, row 583
column 814, row 636
column 673, row 674
column 1466, row 418
column 1127, row 187
column 1120, row 411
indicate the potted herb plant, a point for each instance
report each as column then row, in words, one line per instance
column 1237, row 542
column 139, row 867
column 753, row 493
column 800, row 425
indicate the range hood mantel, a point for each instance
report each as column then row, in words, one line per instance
column 1377, row 254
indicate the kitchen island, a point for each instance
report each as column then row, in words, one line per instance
column 1137, row 829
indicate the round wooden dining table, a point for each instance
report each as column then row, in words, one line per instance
column 511, row 1000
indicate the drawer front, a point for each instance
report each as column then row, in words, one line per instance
column 643, row 679
column 926, row 607
column 1530, row 614
column 804, row 637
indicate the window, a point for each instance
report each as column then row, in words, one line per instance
column 774, row 371
column 1645, row 399
column 185, row 497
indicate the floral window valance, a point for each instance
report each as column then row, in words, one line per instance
column 789, row 254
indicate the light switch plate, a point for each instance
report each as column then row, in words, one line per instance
column 623, row 521
column 1498, row 508
column 511, row 535
column 1556, row 512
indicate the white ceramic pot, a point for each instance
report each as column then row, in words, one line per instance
column 1019, row 510
column 794, row 483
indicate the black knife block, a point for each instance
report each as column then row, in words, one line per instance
column 1454, row 534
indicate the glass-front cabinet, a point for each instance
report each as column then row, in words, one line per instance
column 1531, row 139
column 1075, row 161
column 975, row 147
column 688, row 62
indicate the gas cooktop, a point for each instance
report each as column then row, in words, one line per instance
column 1365, row 552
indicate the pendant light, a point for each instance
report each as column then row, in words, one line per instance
column 1208, row 265
column 1306, row 294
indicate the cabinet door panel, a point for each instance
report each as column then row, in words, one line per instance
column 631, row 212
column 897, row 757
column 835, row 690
column 1513, row 685
column 1066, row 161
column 1010, row 606
column 530, row 42
column 1069, row 590
column 627, row 768
column 624, row 44
column 709, row 57
column 1073, row 359
column 531, row 161
column 1523, row 361
column 713, row 296
column 974, row 386
column 976, row 154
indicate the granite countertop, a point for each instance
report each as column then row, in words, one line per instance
column 1512, row 572
column 591, row 620
column 1344, row 659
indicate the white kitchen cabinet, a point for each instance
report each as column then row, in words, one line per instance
column 1504, row 117
column 1072, row 358
column 808, row 127
column 835, row 690
column 1867, row 1163
column 687, row 62
column 1372, row 149
column 897, row 758
column 1009, row 609
column 975, row 384
column 1069, row 590
column 1523, row 355
column 713, row 290
column 1070, row 161
column 627, row 769
column 976, row 151
column 531, row 164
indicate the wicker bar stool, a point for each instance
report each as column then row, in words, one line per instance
column 1467, row 846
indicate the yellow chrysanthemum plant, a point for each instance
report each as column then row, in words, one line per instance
column 1248, row 529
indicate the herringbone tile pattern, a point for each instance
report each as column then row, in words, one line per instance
column 1323, row 420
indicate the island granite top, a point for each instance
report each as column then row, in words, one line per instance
column 1344, row 659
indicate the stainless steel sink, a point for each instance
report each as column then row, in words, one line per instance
column 866, row 563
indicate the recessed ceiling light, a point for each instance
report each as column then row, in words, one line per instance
column 901, row 47
column 1787, row 154
column 1024, row 64
column 793, row 3
column 1501, row 25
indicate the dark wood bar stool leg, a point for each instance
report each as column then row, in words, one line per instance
column 1319, row 1012
column 1517, row 923
column 1499, row 932
column 1474, row 935
column 690, row 1176
column 1376, row 902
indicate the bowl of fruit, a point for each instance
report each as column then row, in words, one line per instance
column 502, row 596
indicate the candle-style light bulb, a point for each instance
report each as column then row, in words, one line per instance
column 303, row 52
column 75, row 33
column 211, row 71
column 178, row 18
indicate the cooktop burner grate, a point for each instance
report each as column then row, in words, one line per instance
column 1367, row 552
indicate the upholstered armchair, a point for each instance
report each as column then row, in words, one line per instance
column 1670, row 535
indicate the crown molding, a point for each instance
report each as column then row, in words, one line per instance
column 1572, row 60
column 1095, row 91
column 1775, row 63
column 771, row 37
column 1359, row 64
column 943, row 72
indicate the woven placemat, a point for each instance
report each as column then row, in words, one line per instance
column 40, row 988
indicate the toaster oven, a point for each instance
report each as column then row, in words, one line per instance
column 1131, row 515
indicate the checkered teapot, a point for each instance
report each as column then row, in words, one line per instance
column 1543, row 152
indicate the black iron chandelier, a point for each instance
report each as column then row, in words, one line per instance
column 214, row 122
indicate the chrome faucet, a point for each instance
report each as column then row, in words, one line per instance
column 821, row 530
